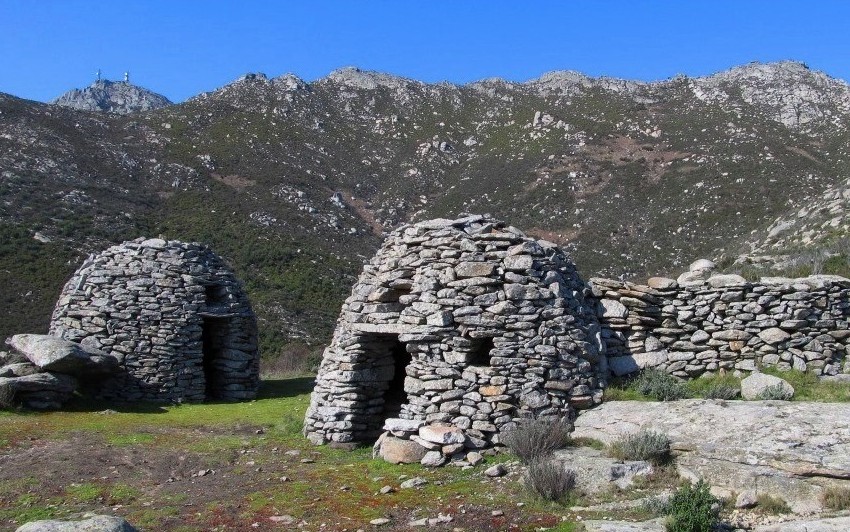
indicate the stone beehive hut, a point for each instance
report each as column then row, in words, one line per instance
column 466, row 323
column 175, row 313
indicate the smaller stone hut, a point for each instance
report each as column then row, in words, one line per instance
column 174, row 312
column 466, row 324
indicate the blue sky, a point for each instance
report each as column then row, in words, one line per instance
column 182, row 47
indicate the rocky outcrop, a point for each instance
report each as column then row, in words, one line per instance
column 761, row 386
column 51, row 353
column 454, row 330
column 42, row 371
column 793, row 451
column 118, row 97
column 175, row 315
column 722, row 322
column 96, row 523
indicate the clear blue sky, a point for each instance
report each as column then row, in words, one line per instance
column 183, row 47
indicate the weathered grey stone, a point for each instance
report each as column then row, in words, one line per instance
column 770, row 447
column 625, row 365
column 724, row 280
column 829, row 524
column 433, row 459
column 611, row 308
column 701, row 265
column 52, row 353
column 774, row 335
column 398, row 451
column 662, row 283
column 757, row 384
column 444, row 435
column 595, row 525
column 97, row 523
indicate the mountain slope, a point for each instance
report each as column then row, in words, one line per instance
column 295, row 182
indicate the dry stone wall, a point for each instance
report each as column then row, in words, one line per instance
column 464, row 323
column 723, row 322
column 175, row 314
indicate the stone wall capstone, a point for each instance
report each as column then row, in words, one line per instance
column 454, row 331
column 174, row 312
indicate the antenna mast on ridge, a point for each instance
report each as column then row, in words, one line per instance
column 127, row 77
column 98, row 74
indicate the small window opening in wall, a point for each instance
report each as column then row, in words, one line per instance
column 215, row 294
column 479, row 354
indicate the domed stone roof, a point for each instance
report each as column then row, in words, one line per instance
column 467, row 323
column 174, row 311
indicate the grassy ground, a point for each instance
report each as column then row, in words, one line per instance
column 228, row 466
column 807, row 387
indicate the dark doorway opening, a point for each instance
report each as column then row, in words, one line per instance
column 479, row 352
column 213, row 341
column 395, row 395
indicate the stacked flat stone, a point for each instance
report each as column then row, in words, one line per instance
column 148, row 301
column 43, row 372
column 725, row 322
column 446, row 290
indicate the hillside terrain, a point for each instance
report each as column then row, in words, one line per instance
column 295, row 182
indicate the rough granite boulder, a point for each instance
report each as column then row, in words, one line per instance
column 96, row 523
column 794, row 451
column 51, row 353
column 762, row 386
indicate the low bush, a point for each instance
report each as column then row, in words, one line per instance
column 549, row 479
column 692, row 508
column 722, row 391
column 660, row 386
column 836, row 498
column 772, row 505
column 775, row 393
column 537, row 438
column 642, row 445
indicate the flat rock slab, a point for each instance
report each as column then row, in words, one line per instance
column 596, row 472
column 52, row 353
column 97, row 523
column 789, row 450
column 834, row 524
column 656, row 525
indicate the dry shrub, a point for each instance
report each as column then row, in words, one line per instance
column 549, row 479
column 642, row 445
column 537, row 438
column 836, row 498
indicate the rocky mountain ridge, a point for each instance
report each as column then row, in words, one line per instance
column 296, row 182
column 119, row 97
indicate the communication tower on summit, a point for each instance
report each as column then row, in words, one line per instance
column 127, row 77
column 98, row 74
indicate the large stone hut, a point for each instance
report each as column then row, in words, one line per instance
column 464, row 324
column 177, row 315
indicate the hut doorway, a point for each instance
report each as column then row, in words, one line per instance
column 383, row 391
column 395, row 395
column 214, row 336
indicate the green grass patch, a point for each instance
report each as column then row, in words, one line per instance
column 725, row 386
column 84, row 493
column 809, row 387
